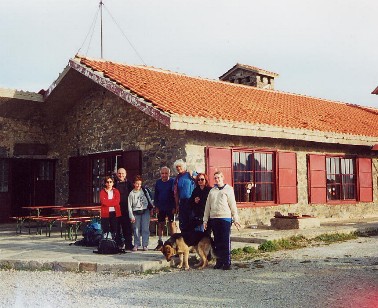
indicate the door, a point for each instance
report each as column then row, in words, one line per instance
column 32, row 183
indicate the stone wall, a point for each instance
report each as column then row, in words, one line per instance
column 261, row 215
column 102, row 122
column 20, row 131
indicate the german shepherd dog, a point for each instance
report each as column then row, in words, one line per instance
column 181, row 244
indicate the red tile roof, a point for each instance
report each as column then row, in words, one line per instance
column 198, row 97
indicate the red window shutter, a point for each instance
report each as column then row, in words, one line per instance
column 317, row 178
column 132, row 162
column 79, row 181
column 219, row 159
column 287, row 177
column 365, row 180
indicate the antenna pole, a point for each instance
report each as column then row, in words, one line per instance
column 101, row 4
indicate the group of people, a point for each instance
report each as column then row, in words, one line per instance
column 126, row 208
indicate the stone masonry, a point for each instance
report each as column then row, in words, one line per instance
column 102, row 122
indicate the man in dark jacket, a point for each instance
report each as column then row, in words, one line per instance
column 124, row 227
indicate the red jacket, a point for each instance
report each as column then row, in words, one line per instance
column 106, row 203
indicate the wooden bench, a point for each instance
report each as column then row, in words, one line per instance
column 72, row 226
column 20, row 220
column 155, row 221
column 47, row 222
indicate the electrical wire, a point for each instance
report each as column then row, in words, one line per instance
column 123, row 33
column 91, row 31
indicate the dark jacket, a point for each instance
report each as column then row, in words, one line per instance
column 198, row 209
column 124, row 189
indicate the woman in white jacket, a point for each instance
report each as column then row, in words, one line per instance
column 220, row 213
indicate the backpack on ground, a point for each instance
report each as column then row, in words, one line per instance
column 92, row 235
column 108, row 246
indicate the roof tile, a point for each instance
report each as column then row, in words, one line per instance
column 198, row 97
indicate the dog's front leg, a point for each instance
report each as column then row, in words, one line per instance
column 186, row 259
column 181, row 260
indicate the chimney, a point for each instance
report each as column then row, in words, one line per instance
column 250, row 76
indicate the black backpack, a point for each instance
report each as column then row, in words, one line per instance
column 108, row 246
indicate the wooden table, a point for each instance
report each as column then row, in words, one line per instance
column 37, row 209
column 71, row 209
column 73, row 223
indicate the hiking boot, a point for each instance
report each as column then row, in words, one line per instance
column 159, row 245
column 218, row 266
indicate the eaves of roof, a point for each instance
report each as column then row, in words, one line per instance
column 20, row 105
column 20, row 95
column 188, row 103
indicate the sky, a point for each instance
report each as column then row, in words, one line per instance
column 321, row 48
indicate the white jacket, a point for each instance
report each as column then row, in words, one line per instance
column 221, row 203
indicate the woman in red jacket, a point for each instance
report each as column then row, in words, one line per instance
column 110, row 208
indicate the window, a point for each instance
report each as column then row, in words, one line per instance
column 258, row 176
column 4, row 175
column 253, row 176
column 341, row 178
column 101, row 167
column 46, row 171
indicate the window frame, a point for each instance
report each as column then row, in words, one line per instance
column 341, row 184
column 4, row 176
column 274, row 183
column 110, row 167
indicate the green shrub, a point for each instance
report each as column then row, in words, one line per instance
column 237, row 251
column 249, row 249
column 335, row 237
column 269, row 246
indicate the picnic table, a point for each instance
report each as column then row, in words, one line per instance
column 35, row 214
column 74, row 222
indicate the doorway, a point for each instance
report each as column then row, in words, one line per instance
column 32, row 183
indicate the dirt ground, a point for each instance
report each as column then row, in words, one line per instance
column 336, row 275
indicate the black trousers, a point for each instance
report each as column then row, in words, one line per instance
column 110, row 224
column 125, row 231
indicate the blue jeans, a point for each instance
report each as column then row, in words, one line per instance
column 142, row 227
column 222, row 230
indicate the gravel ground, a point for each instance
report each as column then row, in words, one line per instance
column 338, row 275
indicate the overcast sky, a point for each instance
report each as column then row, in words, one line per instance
column 321, row 48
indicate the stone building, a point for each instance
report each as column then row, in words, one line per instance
column 281, row 152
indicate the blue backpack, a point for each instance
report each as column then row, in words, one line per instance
column 92, row 234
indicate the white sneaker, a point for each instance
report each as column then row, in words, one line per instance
column 145, row 248
column 135, row 248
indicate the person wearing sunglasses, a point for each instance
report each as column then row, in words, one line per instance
column 110, row 208
column 220, row 213
column 198, row 201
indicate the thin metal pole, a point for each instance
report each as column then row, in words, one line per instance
column 101, row 4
